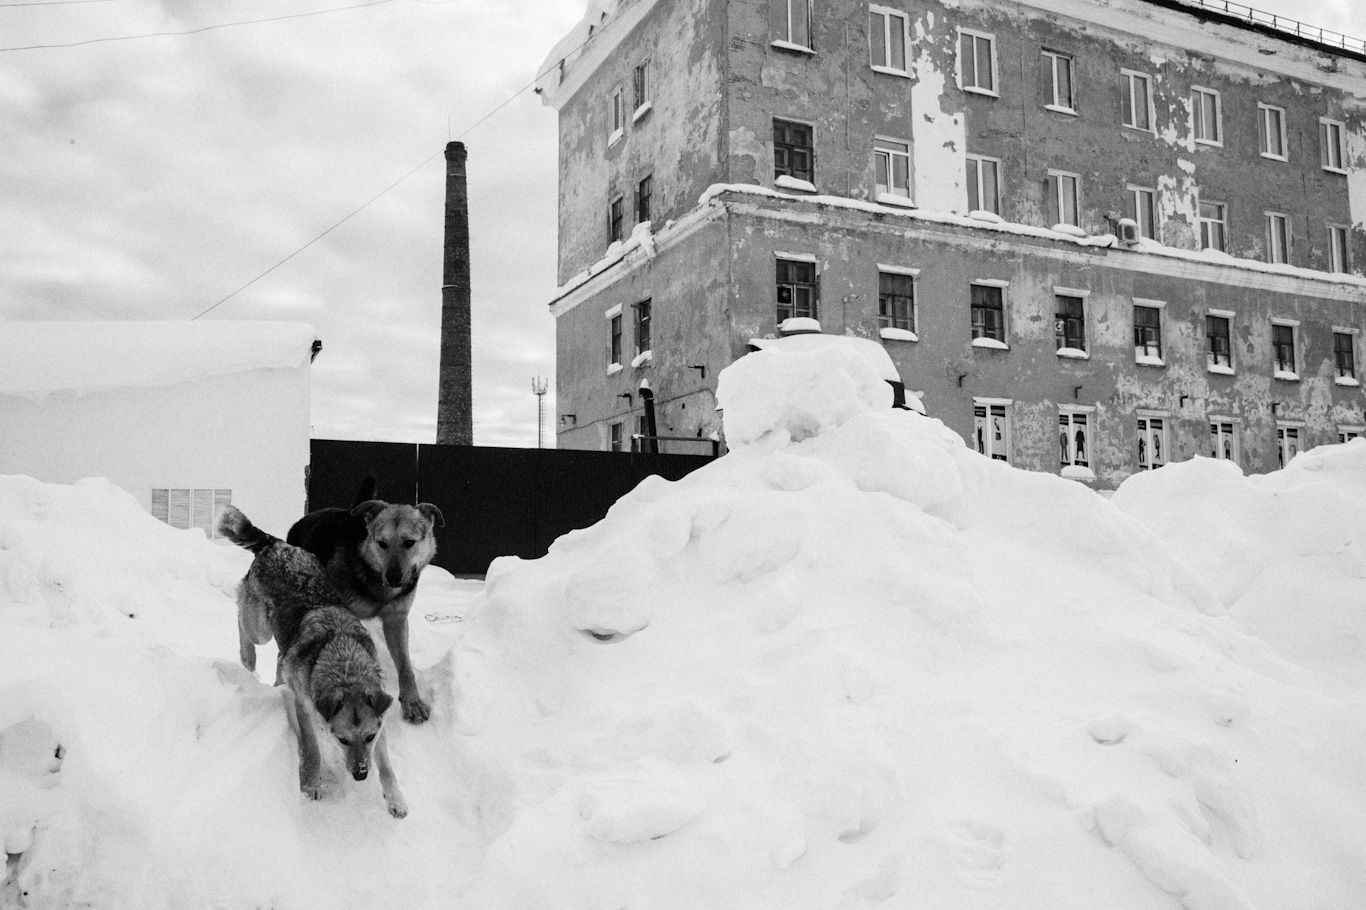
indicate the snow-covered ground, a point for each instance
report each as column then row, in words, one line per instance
column 852, row 664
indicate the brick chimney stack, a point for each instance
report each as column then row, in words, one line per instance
column 454, row 407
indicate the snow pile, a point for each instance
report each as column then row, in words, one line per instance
column 850, row 664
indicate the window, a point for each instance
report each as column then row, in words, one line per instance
column 616, row 117
column 1213, row 226
column 1287, row 443
column 1152, row 443
column 1058, row 82
column 1143, row 209
column 988, row 312
column 614, row 437
column 896, row 300
column 1147, row 334
column 614, row 339
column 1207, row 116
column 1069, row 323
column 991, row 428
column 1271, row 131
column 797, row 290
column 887, row 32
column 1064, row 202
column 984, row 184
column 1136, row 100
column 644, row 91
column 643, row 193
column 892, row 165
column 1283, row 350
column 1330, row 141
column 1347, row 434
column 1223, row 439
column 1218, row 349
column 793, row 153
column 976, row 61
column 1338, row 258
column 791, row 23
column 1073, row 436
column 185, row 509
column 1344, row 355
column 1277, row 237
column 614, row 217
column 642, row 326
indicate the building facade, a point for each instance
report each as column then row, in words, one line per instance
column 1094, row 237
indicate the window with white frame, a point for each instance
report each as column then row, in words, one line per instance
column 614, row 339
column 892, row 168
column 888, row 31
column 1277, row 237
column 643, row 89
column 791, row 23
column 1058, row 82
column 1074, row 437
column 1333, row 153
column 189, row 508
column 1283, row 348
column 644, row 196
column 1347, row 433
column 1213, row 218
column 1152, row 442
column 642, row 318
column 1271, row 131
column 1148, row 332
column 614, row 437
column 991, row 427
column 1136, row 100
column 616, row 116
column 1218, row 341
column 794, row 154
column 896, row 298
column 1223, row 438
column 1345, row 355
column 1064, row 198
column 1143, row 209
column 988, row 306
column 616, row 211
column 984, row 184
column 1287, row 441
column 1207, row 116
column 1069, row 322
column 798, row 294
column 976, row 61
column 1339, row 259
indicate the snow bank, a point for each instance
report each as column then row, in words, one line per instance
column 850, row 664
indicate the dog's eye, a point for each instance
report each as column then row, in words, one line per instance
column 383, row 544
column 408, row 544
column 370, row 738
column 343, row 740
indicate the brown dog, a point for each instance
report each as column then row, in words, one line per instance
column 374, row 555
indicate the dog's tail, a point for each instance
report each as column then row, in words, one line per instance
column 236, row 527
column 369, row 485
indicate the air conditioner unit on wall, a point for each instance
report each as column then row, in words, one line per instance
column 1127, row 230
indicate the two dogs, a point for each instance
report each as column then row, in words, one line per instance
column 310, row 598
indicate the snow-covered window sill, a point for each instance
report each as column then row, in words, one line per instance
column 613, row 368
column 891, row 334
column 1058, row 109
column 642, row 111
column 792, row 183
column 1077, row 472
column 980, row 91
column 990, row 343
column 1071, row 230
column 1073, row 353
column 1272, row 157
column 1221, row 369
column 642, row 358
column 1346, row 380
column 895, row 199
column 1147, row 360
column 615, row 138
column 896, row 72
column 984, row 215
column 1287, row 375
column 1334, row 170
column 795, row 48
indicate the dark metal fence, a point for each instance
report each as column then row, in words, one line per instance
column 496, row 501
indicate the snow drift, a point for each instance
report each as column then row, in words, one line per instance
column 850, row 664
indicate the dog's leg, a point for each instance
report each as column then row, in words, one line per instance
column 393, row 798
column 310, row 760
column 415, row 710
column 246, row 647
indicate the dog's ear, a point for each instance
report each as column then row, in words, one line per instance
column 433, row 514
column 328, row 704
column 379, row 700
column 369, row 509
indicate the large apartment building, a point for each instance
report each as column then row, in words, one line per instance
column 1095, row 237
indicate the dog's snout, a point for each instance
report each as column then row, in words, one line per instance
column 360, row 772
column 393, row 576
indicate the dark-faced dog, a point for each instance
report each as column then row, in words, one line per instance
column 373, row 555
column 327, row 658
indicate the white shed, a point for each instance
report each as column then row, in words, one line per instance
column 183, row 415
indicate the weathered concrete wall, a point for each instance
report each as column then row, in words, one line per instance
column 678, row 142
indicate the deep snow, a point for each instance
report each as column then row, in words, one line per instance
column 851, row 664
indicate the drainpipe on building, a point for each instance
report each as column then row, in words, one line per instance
column 649, row 444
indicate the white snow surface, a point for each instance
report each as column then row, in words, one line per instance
column 860, row 667
column 38, row 359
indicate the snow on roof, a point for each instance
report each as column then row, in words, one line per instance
column 604, row 24
column 40, row 358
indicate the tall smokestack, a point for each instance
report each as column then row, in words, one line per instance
column 454, row 406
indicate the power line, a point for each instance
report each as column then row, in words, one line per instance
column 192, row 31
column 57, row 2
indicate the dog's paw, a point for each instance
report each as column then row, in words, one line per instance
column 415, row 710
column 397, row 807
column 312, row 790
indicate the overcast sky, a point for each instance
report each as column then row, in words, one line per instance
column 151, row 178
